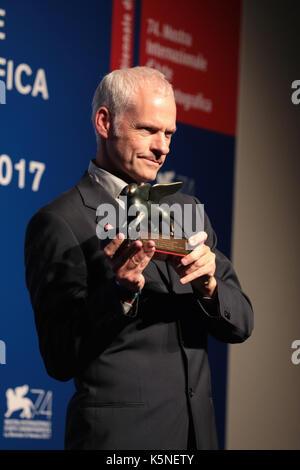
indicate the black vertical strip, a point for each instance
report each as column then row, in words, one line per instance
column 137, row 30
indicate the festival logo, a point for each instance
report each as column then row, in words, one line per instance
column 28, row 413
column 188, row 187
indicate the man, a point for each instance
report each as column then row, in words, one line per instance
column 131, row 330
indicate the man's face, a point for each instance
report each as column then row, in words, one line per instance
column 144, row 135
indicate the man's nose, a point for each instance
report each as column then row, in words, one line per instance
column 160, row 144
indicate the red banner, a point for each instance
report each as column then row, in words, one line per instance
column 195, row 43
column 122, row 34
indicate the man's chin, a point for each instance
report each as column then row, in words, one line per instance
column 149, row 177
column 146, row 176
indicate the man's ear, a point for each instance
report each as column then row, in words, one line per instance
column 103, row 121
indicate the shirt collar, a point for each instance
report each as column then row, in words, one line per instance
column 111, row 183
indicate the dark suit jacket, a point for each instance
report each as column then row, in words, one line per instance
column 137, row 379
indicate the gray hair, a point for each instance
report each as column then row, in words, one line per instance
column 117, row 89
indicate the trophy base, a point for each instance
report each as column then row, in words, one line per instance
column 168, row 246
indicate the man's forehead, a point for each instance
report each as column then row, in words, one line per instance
column 158, row 99
column 151, row 107
column 155, row 93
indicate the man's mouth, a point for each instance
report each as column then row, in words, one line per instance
column 152, row 161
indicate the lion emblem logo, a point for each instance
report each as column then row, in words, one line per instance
column 17, row 401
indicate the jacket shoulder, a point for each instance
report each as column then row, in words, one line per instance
column 63, row 203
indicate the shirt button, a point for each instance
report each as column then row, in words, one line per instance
column 227, row 314
column 191, row 393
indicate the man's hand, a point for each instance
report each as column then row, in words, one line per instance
column 128, row 262
column 198, row 267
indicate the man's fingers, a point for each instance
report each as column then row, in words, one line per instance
column 134, row 255
column 146, row 254
column 142, row 257
column 127, row 252
column 207, row 258
column 205, row 266
column 149, row 248
column 195, row 275
column 195, row 255
column 114, row 245
column 197, row 239
column 196, row 243
column 108, row 227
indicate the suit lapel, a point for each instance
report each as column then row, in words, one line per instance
column 93, row 194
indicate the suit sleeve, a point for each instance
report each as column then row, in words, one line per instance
column 77, row 309
column 229, row 316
